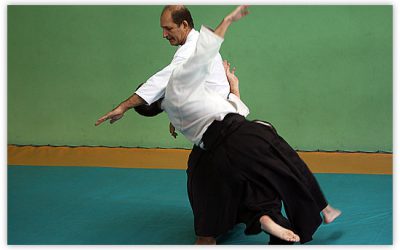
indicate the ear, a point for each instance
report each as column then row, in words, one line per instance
column 185, row 24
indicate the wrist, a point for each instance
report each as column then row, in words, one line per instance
column 124, row 106
column 234, row 91
column 133, row 101
column 228, row 20
column 234, row 85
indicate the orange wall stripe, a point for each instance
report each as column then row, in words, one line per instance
column 319, row 162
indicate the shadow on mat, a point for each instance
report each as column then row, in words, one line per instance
column 328, row 240
column 237, row 237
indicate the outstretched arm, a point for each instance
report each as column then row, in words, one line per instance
column 118, row 112
column 235, row 15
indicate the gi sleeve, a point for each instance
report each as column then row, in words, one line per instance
column 240, row 107
column 154, row 88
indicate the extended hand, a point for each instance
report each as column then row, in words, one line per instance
column 232, row 79
column 113, row 116
column 235, row 15
column 238, row 13
column 230, row 74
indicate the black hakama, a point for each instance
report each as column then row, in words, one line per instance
column 245, row 171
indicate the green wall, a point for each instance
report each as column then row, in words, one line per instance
column 321, row 74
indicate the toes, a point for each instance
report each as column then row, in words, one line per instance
column 295, row 238
column 292, row 237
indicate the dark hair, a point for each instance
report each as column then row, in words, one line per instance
column 180, row 13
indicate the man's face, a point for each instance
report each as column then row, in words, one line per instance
column 176, row 35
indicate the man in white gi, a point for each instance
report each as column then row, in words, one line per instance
column 178, row 28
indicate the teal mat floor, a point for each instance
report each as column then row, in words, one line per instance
column 76, row 205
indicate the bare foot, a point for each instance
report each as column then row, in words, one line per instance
column 269, row 226
column 330, row 214
column 205, row 241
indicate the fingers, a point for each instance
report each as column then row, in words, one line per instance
column 115, row 118
column 244, row 10
column 239, row 12
column 109, row 116
column 227, row 67
column 98, row 122
column 233, row 70
column 101, row 120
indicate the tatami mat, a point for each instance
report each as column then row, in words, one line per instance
column 90, row 205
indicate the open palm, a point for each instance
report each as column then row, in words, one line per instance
column 238, row 13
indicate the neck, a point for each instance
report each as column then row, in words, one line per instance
column 186, row 35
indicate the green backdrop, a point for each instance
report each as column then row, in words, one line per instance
column 321, row 74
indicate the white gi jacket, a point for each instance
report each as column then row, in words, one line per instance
column 189, row 102
column 154, row 88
